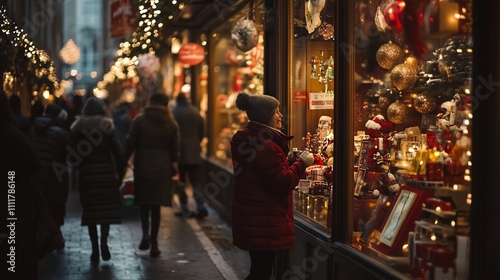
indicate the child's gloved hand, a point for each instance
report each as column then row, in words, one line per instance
column 307, row 158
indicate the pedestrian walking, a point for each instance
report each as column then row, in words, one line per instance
column 192, row 132
column 153, row 141
column 49, row 140
column 15, row 105
column 18, row 165
column 121, row 119
column 262, row 210
column 36, row 110
column 98, row 159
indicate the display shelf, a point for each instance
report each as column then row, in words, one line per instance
column 443, row 214
column 436, row 228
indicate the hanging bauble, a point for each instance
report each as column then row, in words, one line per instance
column 393, row 14
column 389, row 55
column 148, row 66
column 403, row 76
column 70, row 53
column 244, row 34
column 397, row 113
column 385, row 99
column 326, row 30
column 424, row 103
column 412, row 61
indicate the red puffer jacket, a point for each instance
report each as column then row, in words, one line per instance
column 262, row 211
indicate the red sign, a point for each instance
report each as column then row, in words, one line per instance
column 191, row 54
column 299, row 96
column 122, row 18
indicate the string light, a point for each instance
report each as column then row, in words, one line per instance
column 36, row 61
column 145, row 39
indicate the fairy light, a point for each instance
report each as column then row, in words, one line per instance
column 40, row 63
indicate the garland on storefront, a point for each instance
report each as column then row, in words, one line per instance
column 20, row 58
column 147, row 39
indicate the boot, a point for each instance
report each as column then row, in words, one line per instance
column 94, row 257
column 154, row 251
column 106, row 255
column 145, row 242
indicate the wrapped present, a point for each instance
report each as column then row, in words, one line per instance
column 434, row 171
column 454, row 174
column 317, row 172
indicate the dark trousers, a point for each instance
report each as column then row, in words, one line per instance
column 152, row 211
column 191, row 171
column 262, row 264
column 94, row 235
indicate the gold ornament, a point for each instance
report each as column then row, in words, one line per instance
column 389, row 55
column 412, row 61
column 403, row 76
column 397, row 113
column 424, row 103
column 384, row 101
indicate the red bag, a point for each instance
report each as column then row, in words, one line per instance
column 127, row 193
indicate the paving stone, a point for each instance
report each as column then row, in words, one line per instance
column 183, row 257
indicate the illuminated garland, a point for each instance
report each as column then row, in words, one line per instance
column 147, row 38
column 23, row 59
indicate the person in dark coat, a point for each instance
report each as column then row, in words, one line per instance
column 154, row 141
column 37, row 110
column 50, row 140
column 98, row 158
column 192, row 131
column 18, row 165
column 262, row 210
column 15, row 105
column 121, row 119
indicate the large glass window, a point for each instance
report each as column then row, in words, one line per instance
column 413, row 67
column 311, row 107
column 237, row 64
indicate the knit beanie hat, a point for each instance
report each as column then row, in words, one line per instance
column 55, row 111
column 94, row 106
column 259, row 108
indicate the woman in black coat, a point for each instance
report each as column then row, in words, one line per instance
column 97, row 155
column 154, row 138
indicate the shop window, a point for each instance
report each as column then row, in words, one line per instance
column 237, row 64
column 413, row 106
column 311, row 108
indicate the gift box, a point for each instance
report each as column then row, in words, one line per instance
column 434, row 171
column 441, row 264
column 454, row 174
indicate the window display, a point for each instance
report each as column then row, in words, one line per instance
column 413, row 107
column 237, row 48
column 311, row 108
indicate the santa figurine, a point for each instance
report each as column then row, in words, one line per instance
column 378, row 127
